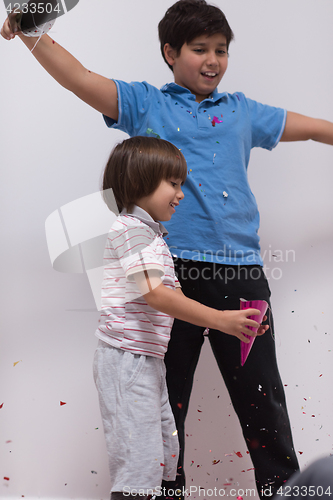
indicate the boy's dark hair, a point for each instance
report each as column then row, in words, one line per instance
column 187, row 19
column 136, row 168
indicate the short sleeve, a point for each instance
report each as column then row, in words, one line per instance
column 267, row 124
column 133, row 105
column 134, row 247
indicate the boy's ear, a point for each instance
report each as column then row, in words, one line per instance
column 170, row 54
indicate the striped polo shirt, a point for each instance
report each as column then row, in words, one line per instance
column 135, row 243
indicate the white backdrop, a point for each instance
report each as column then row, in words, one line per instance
column 53, row 150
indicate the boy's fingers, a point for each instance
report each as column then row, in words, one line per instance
column 243, row 338
column 253, row 323
column 6, row 30
column 263, row 329
column 252, row 312
column 249, row 332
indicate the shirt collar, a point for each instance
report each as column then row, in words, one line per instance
column 144, row 217
column 174, row 88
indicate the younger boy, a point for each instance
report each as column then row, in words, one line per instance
column 214, row 235
column 140, row 298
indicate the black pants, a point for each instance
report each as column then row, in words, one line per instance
column 262, row 413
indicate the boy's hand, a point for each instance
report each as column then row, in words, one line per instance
column 236, row 323
column 263, row 328
column 6, row 30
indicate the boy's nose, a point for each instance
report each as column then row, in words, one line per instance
column 180, row 195
column 212, row 59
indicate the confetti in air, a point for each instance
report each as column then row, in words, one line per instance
column 62, row 403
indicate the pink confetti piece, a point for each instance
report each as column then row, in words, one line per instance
column 215, row 120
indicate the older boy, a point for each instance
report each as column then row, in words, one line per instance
column 217, row 246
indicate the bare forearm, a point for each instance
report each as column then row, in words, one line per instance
column 323, row 132
column 59, row 63
column 181, row 307
column 303, row 128
column 96, row 90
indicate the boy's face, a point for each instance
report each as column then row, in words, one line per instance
column 160, row 204
column 200, row 65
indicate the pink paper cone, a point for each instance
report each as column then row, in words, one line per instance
column 262, row 306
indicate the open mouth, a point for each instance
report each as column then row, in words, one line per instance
column 209, row 74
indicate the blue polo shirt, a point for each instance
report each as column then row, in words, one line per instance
column 218, row 220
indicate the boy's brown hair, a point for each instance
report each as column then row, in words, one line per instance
column 136, row 168
column 187, row 19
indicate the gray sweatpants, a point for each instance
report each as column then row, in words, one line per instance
column 139, row 427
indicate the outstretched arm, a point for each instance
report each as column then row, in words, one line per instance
column 97, row 91
column 177, row 305
column 302, row 128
